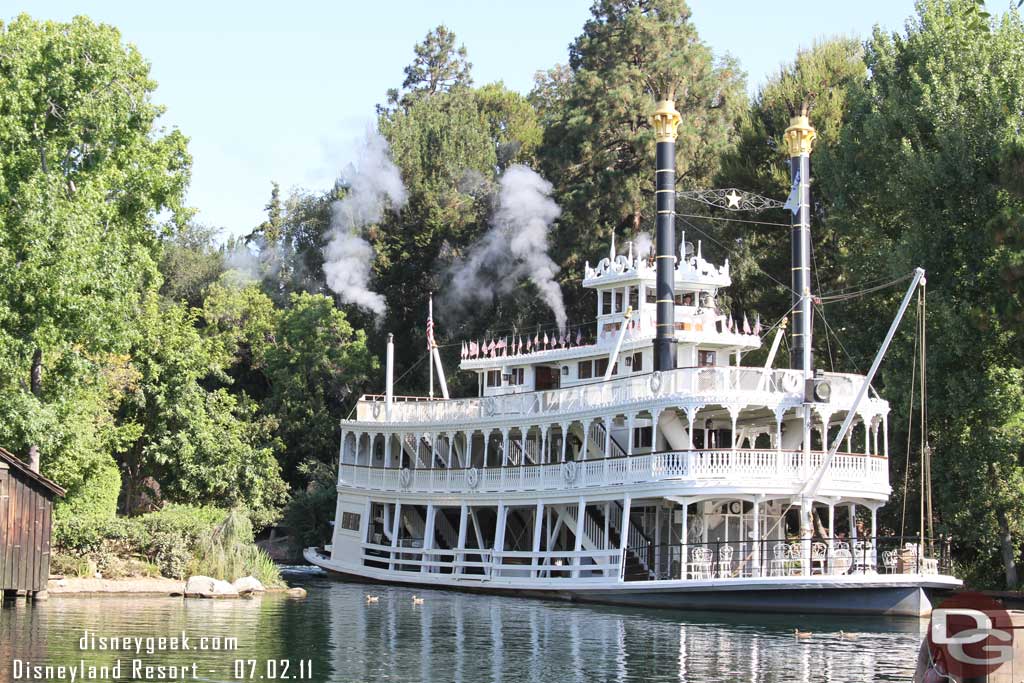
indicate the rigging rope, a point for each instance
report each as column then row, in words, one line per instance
column 732, row 253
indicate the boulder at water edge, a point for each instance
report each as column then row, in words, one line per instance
column 206, row 587
column 248, row 584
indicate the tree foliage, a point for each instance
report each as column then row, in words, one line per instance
column 599, row 145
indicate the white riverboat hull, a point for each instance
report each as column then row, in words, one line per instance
column 905, row 595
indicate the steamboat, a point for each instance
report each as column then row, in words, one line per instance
column 648, row 467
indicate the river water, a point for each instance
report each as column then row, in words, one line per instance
column 335, row 635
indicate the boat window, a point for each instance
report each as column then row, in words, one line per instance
column 517, row 376
column 643, row 437
column 350, row 521
column 652, row 295
column 606, row 302
column 600, row 367
column 706, row 359
column 618, row 301
column 638, row 361
column 585, row 369
column 494, row 378
column 634, row 297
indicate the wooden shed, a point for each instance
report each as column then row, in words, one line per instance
column 26, row 514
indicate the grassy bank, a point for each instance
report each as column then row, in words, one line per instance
column 176, row 542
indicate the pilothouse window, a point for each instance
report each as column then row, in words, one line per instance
column 494, row 378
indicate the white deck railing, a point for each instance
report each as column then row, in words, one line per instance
column 714, row 382
column 767, row 466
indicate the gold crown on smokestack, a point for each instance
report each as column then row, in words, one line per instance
column 800, row 136
column 666, row 120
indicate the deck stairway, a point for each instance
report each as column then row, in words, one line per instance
column 636, row 566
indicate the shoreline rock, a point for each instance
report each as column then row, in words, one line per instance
column 248, row 585
column 207, row 587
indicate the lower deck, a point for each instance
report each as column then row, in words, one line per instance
column 591, row 549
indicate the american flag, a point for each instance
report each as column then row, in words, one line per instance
column 430, row 331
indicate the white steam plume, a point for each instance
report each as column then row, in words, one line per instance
column 373, row 185
column 514, row 247
column 642, row 245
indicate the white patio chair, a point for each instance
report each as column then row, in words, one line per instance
column 819, row 557
column 889, row 561
column 842, row 560
column 725, row 561
column 700, row 563
column 780, row 556
column 796, row 559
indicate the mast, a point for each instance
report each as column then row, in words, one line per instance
column 666, row 123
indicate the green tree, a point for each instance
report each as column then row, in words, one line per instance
column 450, row 147
column 599, row 146
column 84, row 173
column 303, row 364
column 189, row 263
column 314, row 368
column 200, row 443
column 826, row 76
column 920, row 177
column 438, row 67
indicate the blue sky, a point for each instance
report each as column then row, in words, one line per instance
column 281, row 90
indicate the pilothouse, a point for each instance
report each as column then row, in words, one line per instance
column 640, row 462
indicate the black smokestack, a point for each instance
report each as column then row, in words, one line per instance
column 799, row 141
column 666, row 121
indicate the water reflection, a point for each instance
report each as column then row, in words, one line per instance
column 469, row 638
column 460, row 637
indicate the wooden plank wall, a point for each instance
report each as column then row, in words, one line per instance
column 4, row 523
column 25, row 525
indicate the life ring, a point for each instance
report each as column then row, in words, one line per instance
column 405, row 477
column 790, row 382
column 569, row 471
column 472, row 477
column 655, row 381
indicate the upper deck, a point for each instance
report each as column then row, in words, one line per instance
column 738, row 387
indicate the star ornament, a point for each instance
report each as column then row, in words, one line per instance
column 734, row 199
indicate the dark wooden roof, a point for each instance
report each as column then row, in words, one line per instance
column 16, row 463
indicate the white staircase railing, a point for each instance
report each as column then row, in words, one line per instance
column 597, row 436
column 635, row 538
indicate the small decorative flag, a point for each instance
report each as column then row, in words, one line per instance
column 757, row 325
column 746, row 325
column 579, row 336
column 547, row 343
column 474, row 349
